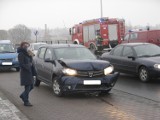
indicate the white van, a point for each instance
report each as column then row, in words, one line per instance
column 35, row 46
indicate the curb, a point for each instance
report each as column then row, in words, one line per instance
column 8, row 111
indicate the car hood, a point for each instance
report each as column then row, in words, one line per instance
column 8, row 55
column 151, row 59
column 89, row 65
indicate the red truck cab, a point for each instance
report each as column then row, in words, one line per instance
column 109, row 31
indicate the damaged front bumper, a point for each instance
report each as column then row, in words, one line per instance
column 78, row 84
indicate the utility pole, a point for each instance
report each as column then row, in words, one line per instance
column 101, row 7
column 46, row 33
column 36, row 33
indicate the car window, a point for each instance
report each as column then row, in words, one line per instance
column 117, row 51
column 41, row 53
column 48, row 54
column 127, row 51
column 81, row 53
column 147, row 50
column 6, row 48
column 134, row 36
column 126, row 37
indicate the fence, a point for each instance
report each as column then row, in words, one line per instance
column 58, row 42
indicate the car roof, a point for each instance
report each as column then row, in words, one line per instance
column 142, row 31
column 135, row 44
column 63, row 45
column 5, row 41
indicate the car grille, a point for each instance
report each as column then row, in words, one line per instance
column 6, row 60
column 90, row 74
column 91, row 87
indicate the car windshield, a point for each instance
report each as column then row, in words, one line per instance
column 74, row 53
column 147, row 50
column 6, row 48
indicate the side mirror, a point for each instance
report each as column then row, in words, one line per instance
column 131, row 57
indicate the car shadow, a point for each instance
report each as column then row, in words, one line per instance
column 72, row 95
column 8, row 71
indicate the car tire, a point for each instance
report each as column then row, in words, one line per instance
column 105, row 92
column 17, row 69
column 57, row 89
column 143, row 74
column 37, row 82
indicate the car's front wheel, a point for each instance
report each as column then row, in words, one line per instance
column 143, row 74
column 57, row 89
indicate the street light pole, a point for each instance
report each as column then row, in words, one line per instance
column 101, row 7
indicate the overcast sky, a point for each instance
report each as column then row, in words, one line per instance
column 65, row 13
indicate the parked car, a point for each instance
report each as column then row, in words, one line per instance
column 148, row 36
column 8, row 56
column 73, row 68
column 35, row 46
column 142, row 59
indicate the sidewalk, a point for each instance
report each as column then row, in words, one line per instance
column 8, row 111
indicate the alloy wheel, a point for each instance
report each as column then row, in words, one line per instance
column 143, row 74
column 57, row 88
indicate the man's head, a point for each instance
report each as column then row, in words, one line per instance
column 24, row 45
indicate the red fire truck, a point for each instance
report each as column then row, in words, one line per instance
column 98, row 34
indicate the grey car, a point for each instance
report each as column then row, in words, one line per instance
column 73, row 68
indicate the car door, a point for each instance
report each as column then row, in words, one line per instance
column 39, row 63
column 134, row 38
column 126, row 38
column 128, row 64
column 115, row 57
column 48, row 66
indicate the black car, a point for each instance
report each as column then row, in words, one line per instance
column 73, row 68
column 142, row 59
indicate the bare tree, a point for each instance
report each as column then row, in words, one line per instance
column 20, row 33
column 3, row 35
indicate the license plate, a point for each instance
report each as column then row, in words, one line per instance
column 6, row 63
column 92, row 82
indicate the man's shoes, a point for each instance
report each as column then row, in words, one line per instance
column 21, row 98
column 28, row 104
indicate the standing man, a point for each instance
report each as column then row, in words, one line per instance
column 26, row 72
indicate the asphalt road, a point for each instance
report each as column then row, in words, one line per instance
column 131, row 84
column 129, row 100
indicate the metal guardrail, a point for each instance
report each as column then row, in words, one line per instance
column 97, row 53
column 58, row 42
